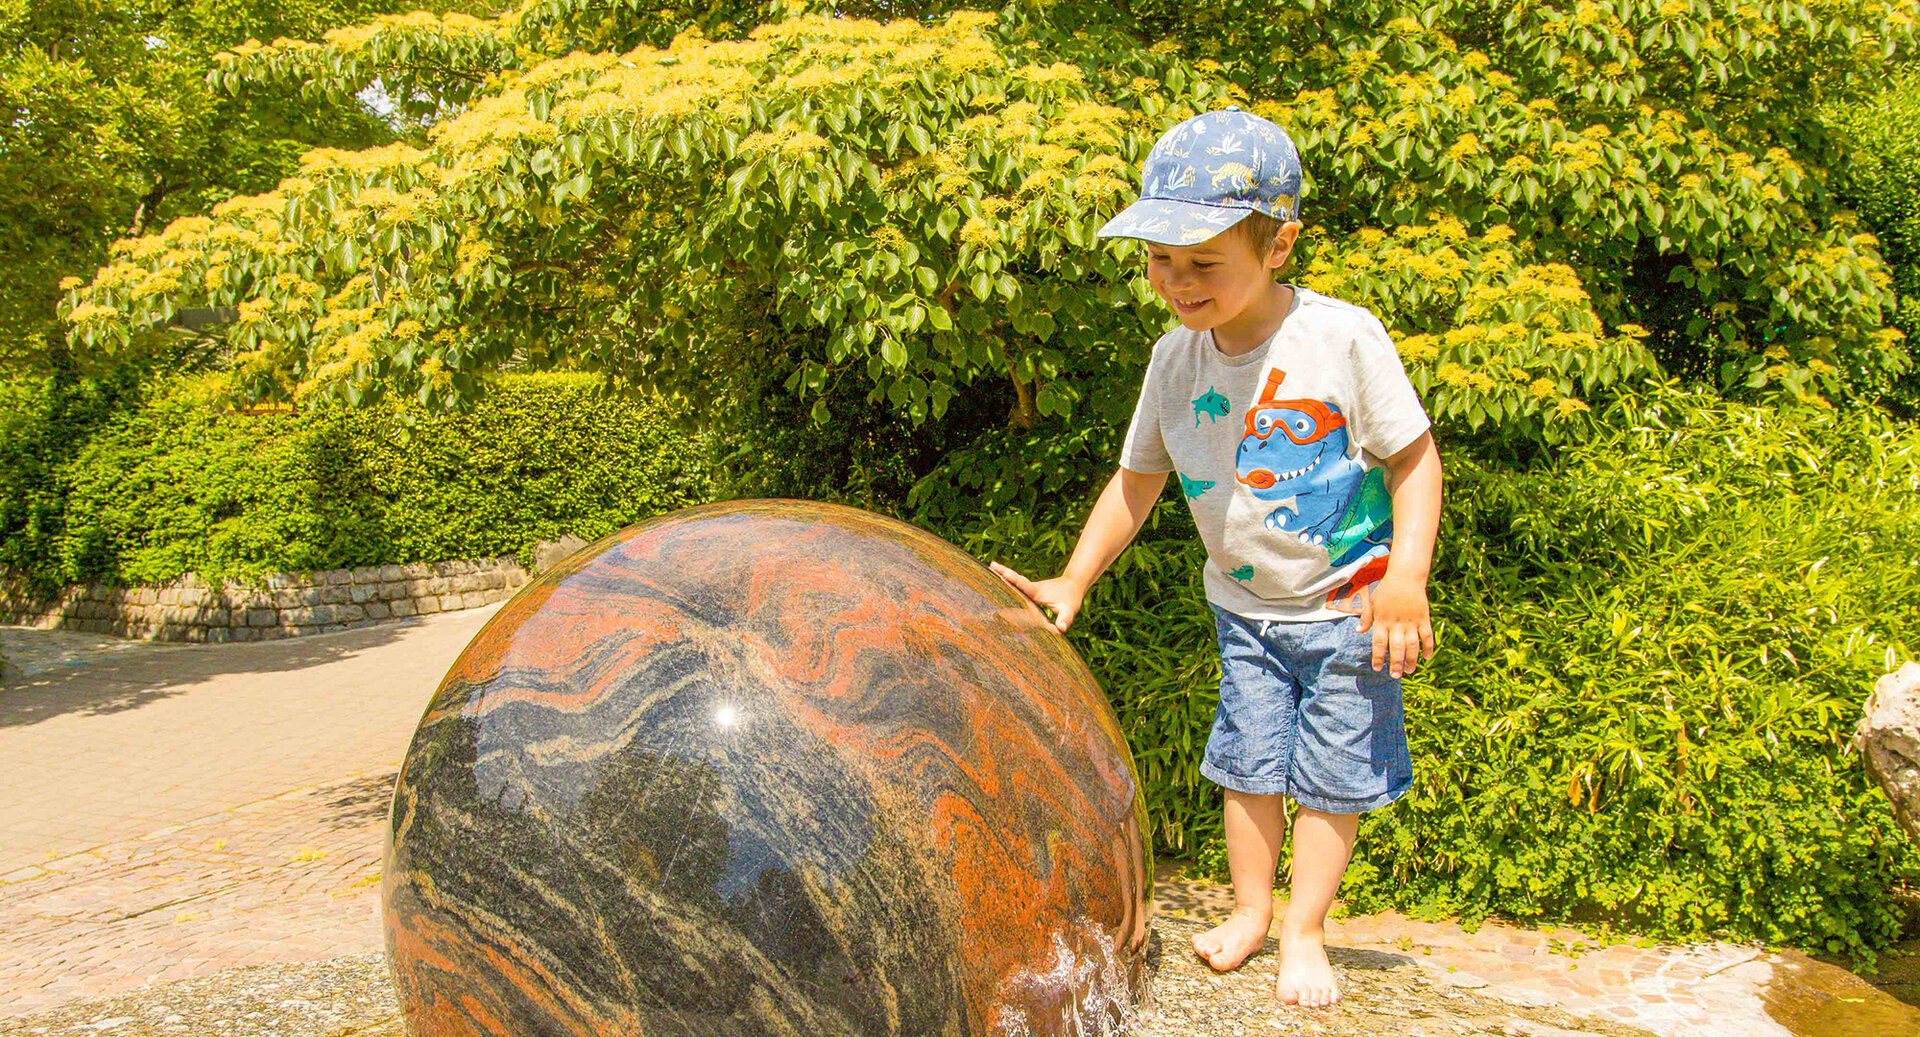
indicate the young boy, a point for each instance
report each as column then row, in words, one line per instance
column 1304, row 454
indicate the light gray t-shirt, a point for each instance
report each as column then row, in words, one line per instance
column 1278, row 454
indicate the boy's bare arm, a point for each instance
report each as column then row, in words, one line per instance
column 1116, row 517
column 1396, row 609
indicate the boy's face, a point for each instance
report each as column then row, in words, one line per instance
column 1221, row 276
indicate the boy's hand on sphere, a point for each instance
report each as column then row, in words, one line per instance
column 1063, row 596
column 1396, row 612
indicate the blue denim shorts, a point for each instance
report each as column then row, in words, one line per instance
column 1303, row 713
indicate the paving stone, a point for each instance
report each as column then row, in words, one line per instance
column 181, row 908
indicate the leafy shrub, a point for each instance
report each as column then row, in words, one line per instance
column 44, row 421
column 1883, row 184
column 174, row 486
column 1653, row 646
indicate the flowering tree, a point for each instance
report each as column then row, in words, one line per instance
column 112, row 129
column 1668, row 151
column 1525, row 193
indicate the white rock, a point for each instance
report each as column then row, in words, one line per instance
column 1888, row 739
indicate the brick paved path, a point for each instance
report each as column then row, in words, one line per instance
column 104, row 740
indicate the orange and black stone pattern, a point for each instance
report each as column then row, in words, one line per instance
column 768, row 768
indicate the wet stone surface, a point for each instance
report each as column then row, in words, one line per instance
column 1383, row 993
column 1820, row 1001
column 352, row 996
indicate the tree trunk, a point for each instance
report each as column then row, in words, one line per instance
column 146, row 208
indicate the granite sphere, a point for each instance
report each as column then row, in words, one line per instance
column 767, row 767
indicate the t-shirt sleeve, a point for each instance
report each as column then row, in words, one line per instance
column 1393, row 415
column 1145, row 450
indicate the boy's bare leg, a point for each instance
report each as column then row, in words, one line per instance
column 1255, row 826
column 1321, row 845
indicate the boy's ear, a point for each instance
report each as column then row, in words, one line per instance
column 1283, row 243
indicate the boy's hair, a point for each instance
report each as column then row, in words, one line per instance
column 1259, row 230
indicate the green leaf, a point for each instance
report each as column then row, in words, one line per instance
column 945, row 223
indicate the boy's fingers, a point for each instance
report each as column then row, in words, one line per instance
column 1020, row 583
column 1397, row 641
column 1426, row 636
column 1379, row 648
column 1063, row 618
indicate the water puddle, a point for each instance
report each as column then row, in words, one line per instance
column 1813, row 999
column 1899, row 973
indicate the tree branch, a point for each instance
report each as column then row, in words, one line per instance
column 147, row 206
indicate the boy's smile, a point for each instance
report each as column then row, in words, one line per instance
column 1220, row 284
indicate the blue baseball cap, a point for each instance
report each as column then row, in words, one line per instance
column 1206, row 174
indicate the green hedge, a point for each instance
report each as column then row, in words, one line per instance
column 1653, row 648
column 169, row 484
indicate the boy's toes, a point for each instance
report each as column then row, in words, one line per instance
column 1306, row 977
column 1228, row 944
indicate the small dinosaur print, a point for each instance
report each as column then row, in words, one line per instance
column 1213, row 405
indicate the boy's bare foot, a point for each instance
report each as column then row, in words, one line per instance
column 1228, row 944
column 1306, row 978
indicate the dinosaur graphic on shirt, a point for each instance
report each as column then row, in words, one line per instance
column 1294, row 453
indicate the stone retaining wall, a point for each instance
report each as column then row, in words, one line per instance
column 282, row 605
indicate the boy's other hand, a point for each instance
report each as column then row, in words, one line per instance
column 1396, row 611
column 1063, row 596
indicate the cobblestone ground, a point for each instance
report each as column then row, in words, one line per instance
column 350, row 996
column 1699, row 991
column 262, row 916
column 290, row 878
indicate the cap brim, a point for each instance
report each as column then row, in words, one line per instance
column 1169, row 222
